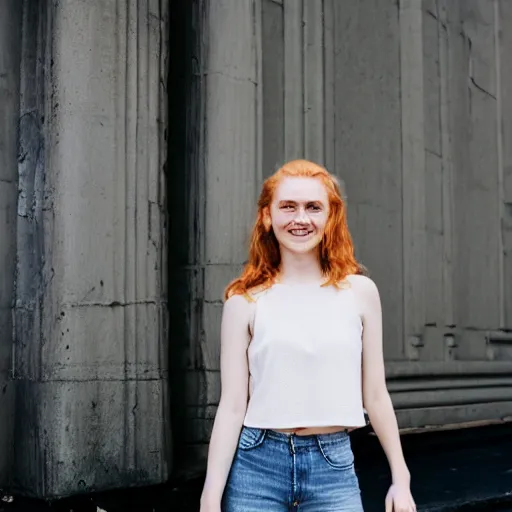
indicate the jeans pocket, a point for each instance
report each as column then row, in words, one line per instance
column 251, row 438
column 337, row 454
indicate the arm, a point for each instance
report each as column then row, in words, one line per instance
column 375, row 394
column 376, row 397
column 233, row 402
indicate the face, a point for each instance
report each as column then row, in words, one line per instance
column 299, row 212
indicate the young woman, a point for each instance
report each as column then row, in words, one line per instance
column 301, row 351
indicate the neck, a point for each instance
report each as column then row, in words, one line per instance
column 300, row 268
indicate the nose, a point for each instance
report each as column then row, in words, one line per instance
column 302, row 217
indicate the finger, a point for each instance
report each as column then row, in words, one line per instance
column 389, row 504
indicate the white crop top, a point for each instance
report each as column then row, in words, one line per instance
column 305, row 359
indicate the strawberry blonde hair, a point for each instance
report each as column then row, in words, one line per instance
column 336, row 249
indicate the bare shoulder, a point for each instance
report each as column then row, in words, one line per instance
column 367, row 294
column 237, row 306
column 243, row 306
column 363, row 285
column 236, row 321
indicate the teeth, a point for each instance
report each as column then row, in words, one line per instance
column 299, row 232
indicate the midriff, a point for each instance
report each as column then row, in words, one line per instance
column 312, row 431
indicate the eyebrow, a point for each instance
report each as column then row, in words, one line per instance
column 309, row 201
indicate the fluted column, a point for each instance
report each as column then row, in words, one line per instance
column 91, row 312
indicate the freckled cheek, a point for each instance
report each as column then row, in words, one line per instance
column 320, row 224
column 281, row 222
column 317, row 223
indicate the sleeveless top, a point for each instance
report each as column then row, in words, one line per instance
column 305, row 358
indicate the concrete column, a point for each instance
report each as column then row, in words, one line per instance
column 10, row 43
column 91, row 312
column 412, row 63
column 219, row 180
column 504, row 104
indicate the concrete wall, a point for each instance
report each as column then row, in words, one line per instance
column 10, row 45
column 408, row 103
column 91, row 310
column 212, row 194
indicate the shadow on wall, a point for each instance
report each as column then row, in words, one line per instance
column 181, row 171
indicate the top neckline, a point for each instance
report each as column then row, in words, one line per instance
column 301, row 285
column 316, row 286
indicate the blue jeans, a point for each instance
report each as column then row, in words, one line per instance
column 275, row 472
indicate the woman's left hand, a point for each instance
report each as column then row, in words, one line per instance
column 399, row 499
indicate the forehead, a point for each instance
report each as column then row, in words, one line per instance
column 301, row 190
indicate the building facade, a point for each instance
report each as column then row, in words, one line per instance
column 136, row 136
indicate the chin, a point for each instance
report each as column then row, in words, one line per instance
column 302, row 247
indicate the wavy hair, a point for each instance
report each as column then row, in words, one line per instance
column 336, row 250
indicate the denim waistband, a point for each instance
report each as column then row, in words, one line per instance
column 304, row 441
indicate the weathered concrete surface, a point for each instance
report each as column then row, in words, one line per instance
column 212, row 196
column 91, row 311
column 10, row 45
column 367, row 141
column 504, row 104
column 408, row 104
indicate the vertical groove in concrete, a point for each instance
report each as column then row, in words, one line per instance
column 160, row 217
column 294, row 79
column 314, row 77
column 413, row 167
column 10, row 52
column 32, row 201
column 272, row 86
column 447, row 168
column 432, row 80
column 130, row 88
column 458, row 112
column 499, row 144
column 329, row 134
column 93, row 373
column 258, row 52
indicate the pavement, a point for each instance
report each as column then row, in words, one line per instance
column 451, row 471
column 454, row 471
